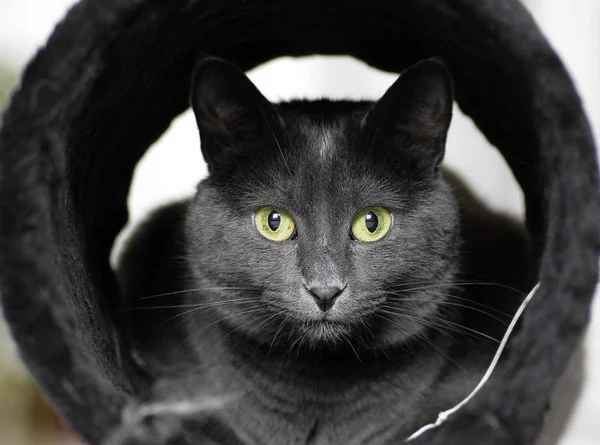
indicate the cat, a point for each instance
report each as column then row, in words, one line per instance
column 328, row 272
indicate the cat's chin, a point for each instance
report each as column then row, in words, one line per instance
column 322, row 333
column 325, row 331
column 332, row 331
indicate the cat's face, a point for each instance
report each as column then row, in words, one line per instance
column 319, row 217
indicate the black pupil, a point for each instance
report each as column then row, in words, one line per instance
column 371, row 222
column 274, row 220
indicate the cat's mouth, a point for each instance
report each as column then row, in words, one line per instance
column 325, row 329
column 326, row 320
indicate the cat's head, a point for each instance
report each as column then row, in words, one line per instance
column 323, row 222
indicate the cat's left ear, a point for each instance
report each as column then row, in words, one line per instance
column 415, row 112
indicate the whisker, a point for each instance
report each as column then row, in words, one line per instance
column 197, row 305
column 474, row 331
column 281, row 325
column 450, row 303
column 300, row 338
column 246, row 324
column 352, row 347
column 444, row 323
column 301, row 343
column 377, row 344
column 199, row 289
column 197, row 308
column 456, row 297
column 453, row 284
column 438, row 327
column 223, row 318
column 422, row 338
column 428, row 342
column 276, row 314
column 276, row 141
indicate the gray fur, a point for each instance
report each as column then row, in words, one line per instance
column 357, row 374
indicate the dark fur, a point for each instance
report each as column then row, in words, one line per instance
column 116, row 73
column 410, row 334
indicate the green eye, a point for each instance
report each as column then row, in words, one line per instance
column 371, row 224
column 274, row 224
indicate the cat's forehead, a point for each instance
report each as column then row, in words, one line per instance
column 322, row 141
column 321, row 162
column 321, row 131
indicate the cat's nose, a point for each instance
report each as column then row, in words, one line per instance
column 325, row 296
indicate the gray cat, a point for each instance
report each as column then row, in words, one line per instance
column 328, row 274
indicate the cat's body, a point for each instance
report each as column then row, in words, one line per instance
column 411, row 327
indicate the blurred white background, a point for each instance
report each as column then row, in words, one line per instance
column 174, row 165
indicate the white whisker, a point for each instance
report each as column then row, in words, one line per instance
column 199, row 289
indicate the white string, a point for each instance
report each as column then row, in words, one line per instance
column 443, row 416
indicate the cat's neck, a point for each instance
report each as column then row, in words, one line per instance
column 327, row 363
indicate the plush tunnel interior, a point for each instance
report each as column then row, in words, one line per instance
column 115, row 73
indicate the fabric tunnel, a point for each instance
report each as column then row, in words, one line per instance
column 113, row 76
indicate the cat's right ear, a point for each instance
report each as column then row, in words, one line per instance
column 234, row 119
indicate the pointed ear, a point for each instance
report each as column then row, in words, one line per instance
column 234, row 119
column 415, row 112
